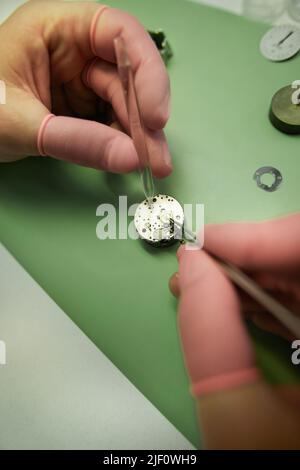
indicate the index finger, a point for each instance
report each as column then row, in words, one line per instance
column 151, row 78
column 258, row 246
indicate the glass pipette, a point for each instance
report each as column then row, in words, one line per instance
column 136, row 125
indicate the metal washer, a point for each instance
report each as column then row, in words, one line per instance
column 268, row 170
column 155, row 223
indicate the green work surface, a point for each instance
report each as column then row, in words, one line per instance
column 219, row 134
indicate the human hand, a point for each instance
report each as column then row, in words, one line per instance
column 58, row 57
column 270, row 253
column 217, row 349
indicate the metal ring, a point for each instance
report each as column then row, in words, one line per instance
column 268, row 170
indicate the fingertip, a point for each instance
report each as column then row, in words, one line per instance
column 192, row 265
column 153, row 87
column 197, row 269
column 89, row 144
column 269, row 245
column 230, row 241
column 174, row 285
column 188, row 248
column 180, row 252
column 157, row 118
column 213, row 232
column 162, row 171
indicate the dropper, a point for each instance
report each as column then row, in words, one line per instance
column 136, row 126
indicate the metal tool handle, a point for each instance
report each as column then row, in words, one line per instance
column 281, row 313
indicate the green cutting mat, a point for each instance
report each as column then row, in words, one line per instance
column 219, row 134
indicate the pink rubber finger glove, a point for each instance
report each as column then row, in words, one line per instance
column 87, row 143
column 270, row 252
column 99, row 146
column 217, row 350
column 60, row 76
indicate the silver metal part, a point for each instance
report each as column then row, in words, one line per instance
column 281, row 43
column 155, row 222
column 268, row 170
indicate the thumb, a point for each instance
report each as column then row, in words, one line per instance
column 217, row 350
column 87, row 143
